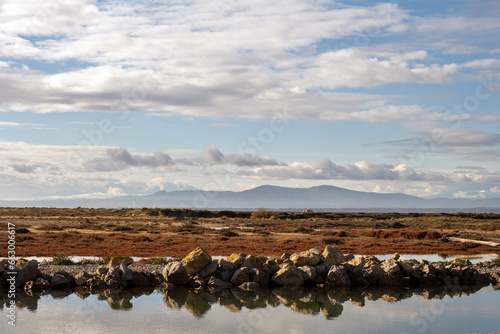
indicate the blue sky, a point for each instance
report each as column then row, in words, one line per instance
column 106, row 98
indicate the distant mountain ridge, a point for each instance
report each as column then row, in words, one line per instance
column 270, row 197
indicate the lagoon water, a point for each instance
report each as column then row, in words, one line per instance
column 284, row 310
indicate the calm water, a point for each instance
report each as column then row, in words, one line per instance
column 459, row 310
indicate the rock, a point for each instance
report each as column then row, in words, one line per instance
column 373, row 273
column 406, row 267
column 82, row 277
column 321, row 270
column 288, row 276
column 395, row 257
column 196, row 282
column 128, row 261
column 116, row 261
column 249, row 286
column 240, row 276
column 139, row 279
column 306, row 258
column 114, row 284
column 371, row 260
column 236, row 259
column 428, row 269
column 495, row 278
column 357, row 262
column 348, row 257
column 254, row 261
column 59, row 281
column 28, row 273
column 95, row 283
column 37, row 285
column 195, row 261
column 175, row 273
column 285, row 256
column 3, row 266
column 101, row 270
column 125, row 273
column 217, row 283
column 224, row 265
column 260, row 277
column 390, row 267
column 308, row 274
column 337, row 276
column 226, row 275
column 208, row 270
column 332, row 256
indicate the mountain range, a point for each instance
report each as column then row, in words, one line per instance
column 275, row 198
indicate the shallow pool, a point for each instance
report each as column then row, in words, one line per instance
column 284, row 310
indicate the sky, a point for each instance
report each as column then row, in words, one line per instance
column 109, row 98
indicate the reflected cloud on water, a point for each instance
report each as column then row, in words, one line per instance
column 307, row 301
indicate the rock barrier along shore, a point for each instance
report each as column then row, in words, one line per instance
column 328, row 269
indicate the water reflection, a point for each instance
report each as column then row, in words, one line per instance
column 308, row 301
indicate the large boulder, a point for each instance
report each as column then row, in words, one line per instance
column 236, row 259
column 139, row 279
column 373, row 273
column 308, row 273
column 254, row 261
column 240, row 276
column 288, row 276
column 195, row 261
column 332, row 256
column 391, row 268
column 260, row 277
column 59, row 281
column 175, row 273
column 337, row 276
column 208, row 270
column 28, row 273
column 306, row 258
column 125, row 273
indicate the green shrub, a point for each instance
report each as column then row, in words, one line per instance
column 61, row 259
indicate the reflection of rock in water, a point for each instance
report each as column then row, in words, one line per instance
column 309, row 301
column 196, row 305
column 175, row 298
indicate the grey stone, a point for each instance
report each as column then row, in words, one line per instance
column 208, row 270
column 288, row 276
column 125, row 273
column 306, row 258
column 240, row 276
column 28, row 273
column 337, row 276
column 175, row 273
column 332, row 256
column 59, row 281
column 308, row 273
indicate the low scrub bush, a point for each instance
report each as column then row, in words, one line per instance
column 61, row 259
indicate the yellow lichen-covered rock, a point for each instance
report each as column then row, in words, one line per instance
column 195, row 261
column 254, row 261
column 236, row 259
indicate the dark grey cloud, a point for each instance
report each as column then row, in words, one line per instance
column 23, row 168
column 120, row 158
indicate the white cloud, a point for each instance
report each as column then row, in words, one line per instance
column 495, row 190
column 111, row 192
column 471, row 194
